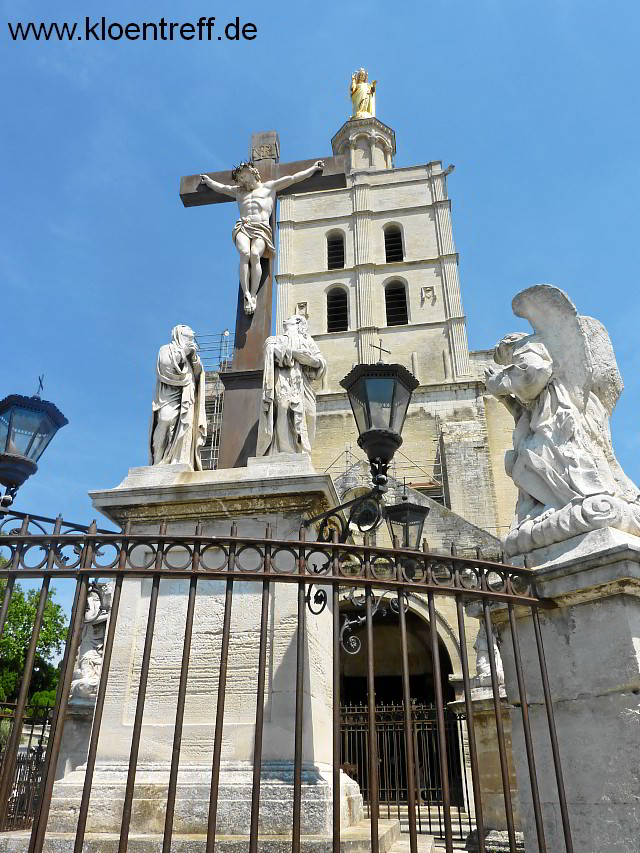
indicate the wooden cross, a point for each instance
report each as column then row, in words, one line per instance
column 243, row 384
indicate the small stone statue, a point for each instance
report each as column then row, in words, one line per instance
column 88, row 663
column 363, row 95
column 252, row 233
column 288, row 418
column 561, row 385
column 178, row 426
column 483, row 667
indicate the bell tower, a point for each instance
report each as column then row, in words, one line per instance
column 374, row 264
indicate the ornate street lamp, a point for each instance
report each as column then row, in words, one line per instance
column 405, row 521
column 379, row 395
column 27, row 425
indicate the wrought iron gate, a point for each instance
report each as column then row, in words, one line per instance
column 28, row 764
column 45, row 549
column 392, row 764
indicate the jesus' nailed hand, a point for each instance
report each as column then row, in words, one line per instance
column 252, row 233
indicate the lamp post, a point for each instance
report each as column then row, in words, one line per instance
column 27, row 425
column 379, row 395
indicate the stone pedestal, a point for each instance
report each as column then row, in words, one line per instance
column 484, row 730
column 592, row 645
column 281, row 491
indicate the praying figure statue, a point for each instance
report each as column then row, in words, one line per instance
column 252, row 234
column 363, row 95
column 288, row 417
column 561, row 385
column 178, row 426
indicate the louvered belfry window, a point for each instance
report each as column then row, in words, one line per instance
column 393, row 244
column 395, row 297
column 335, row 251
column 337, row 313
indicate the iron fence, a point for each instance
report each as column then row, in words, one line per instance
column 319, row 571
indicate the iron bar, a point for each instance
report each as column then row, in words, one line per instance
column 74, row 635
column 182, row 695
column 297, row 760
column 442, row 743
column 374, row 791
column 257, row 747
column 142, row 692
column 408, row 724
column 336, row 718
column 526, row 729
column 471, row 735
column 222, row 688
column 15, row 563
column 102, row 692
column 62, row 700
column 11, row 749
column 504, row 766
column 158, row 540
column 562, row 799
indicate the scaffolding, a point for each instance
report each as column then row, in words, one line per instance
column 216, row 355
column 425, row 475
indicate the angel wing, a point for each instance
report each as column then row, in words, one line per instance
column 579, row 346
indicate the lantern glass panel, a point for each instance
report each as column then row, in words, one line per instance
column 380, row 391
column 4, row 430
column 400, row 406
column 358, row 399
column 46, row 431
column 24, row 425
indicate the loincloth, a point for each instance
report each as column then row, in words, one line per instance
column 255, row 230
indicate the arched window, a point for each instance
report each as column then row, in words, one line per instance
column 395, row 299
column 335, row 251
column 393, row 244
column 337, row 311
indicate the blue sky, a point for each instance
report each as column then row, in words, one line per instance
column 534, row 103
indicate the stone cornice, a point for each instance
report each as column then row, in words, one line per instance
column 396, row 266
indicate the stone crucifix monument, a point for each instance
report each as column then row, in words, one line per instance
column 264, row 489
column 256, row 186
column 578, row 525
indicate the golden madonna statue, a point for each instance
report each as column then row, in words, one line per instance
column 363, row 95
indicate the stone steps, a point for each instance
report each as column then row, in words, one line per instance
column 354, row 839
column 426, row 844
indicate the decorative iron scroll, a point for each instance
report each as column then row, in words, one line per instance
column 104, row 554
column 349, row 642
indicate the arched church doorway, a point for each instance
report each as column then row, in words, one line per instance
column 390, row 729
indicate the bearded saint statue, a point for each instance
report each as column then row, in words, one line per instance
column 288, row 417
column 178, row 426
column 363, row 95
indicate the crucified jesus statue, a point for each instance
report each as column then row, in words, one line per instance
column 252, row 234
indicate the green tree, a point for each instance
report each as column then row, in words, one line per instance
column 15, row 641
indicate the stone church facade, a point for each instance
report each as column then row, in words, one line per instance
column 375, row 265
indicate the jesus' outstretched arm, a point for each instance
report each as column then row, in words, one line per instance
column 226, row 189
column 281, row 183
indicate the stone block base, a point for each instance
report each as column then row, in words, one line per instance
column 495, row 841
column 355, row 839
column 192, row 801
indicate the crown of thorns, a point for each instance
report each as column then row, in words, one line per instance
column 245, row 165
